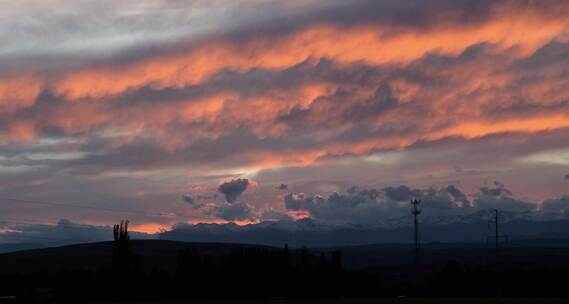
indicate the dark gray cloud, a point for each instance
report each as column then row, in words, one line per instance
column 557, row 205
column 233, row 189
column 233, row 211
column 199, row 201
column 497, row 190
column 445, row 198
column 273, row 215
column 436, row 199
column 188, row 199
column 401, row 193
column 370, row 206
column 359, row 206
column 498, row 197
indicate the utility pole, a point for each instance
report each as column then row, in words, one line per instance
column 415, row 211
column 496, row 234
column 496, row 222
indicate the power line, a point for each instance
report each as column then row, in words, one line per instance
column 73, row 205
column 106, row 209
column 69, row 226
column 18, row 221
column 19, row 235
column 14, row 234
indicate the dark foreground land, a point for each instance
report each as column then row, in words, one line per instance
column 164, row 255
column 368, row 301
column 166, row 271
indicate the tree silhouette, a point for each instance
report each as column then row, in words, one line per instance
column 121, row 250
column 120, row 232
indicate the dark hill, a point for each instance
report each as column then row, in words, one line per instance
column 162, row 254
column 529, row 268
column 156, row 254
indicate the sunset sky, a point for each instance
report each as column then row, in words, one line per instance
column 168, row 112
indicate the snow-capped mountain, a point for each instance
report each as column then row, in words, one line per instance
column 448, row 228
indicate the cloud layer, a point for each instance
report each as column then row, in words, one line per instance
column 372, row 207
column 157, row 98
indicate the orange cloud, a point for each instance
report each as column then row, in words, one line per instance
column 521, row 32
column 457, row 103
column 18, row 91
column 524, row 125
column 22, row 131
column 150, row 228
